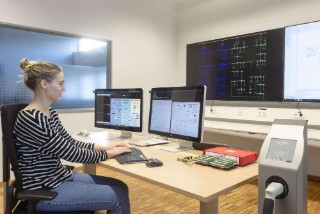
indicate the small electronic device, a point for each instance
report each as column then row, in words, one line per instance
column 178, row 112
column 119, row 109
column 136, row 156
column 219, row 161
column 153, row 163
column 84, row 133
column 240, row 156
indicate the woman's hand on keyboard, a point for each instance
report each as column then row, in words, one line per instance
column 109, row 147
column 118, row 150
column 119, row 145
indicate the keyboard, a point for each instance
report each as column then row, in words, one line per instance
column 135, row 156
column 149, row 142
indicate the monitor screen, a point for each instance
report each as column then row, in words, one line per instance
column 119, row 109
column 282, row 149
column 177, row 112
column 241, row 68
column 302, row 63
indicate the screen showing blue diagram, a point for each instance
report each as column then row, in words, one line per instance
column 245, row 68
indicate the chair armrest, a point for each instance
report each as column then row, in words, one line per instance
column 37, row 195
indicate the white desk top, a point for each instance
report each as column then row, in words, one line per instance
column 200, row 182
column 203, row 183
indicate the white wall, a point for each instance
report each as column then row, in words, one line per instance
column 143, row 35
column 213, row 19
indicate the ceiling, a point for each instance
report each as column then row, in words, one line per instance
column 179, row 4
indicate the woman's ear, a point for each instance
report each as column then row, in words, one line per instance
column 43, row 83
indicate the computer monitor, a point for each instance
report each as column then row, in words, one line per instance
column 302, row 63
column 178, row 112
column 119, row 109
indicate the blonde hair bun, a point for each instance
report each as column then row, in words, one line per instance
column 26, row 65
column 23, row 63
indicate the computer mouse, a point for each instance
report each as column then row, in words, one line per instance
column 154, row 163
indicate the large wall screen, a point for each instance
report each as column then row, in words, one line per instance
column 302, row 63
column 241, row 68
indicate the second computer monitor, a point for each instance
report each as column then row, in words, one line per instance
column 119, row 109
column 177, row 112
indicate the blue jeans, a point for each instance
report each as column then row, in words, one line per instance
column 89, row 192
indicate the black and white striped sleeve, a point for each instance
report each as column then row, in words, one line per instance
column 51, row 141
column 66, row 135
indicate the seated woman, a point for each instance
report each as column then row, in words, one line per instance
column 42, row 141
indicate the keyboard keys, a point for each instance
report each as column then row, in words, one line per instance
column 135, row 156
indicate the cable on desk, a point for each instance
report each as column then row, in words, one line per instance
column 211, row 110
column 299, row 112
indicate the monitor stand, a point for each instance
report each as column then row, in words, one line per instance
column 123, row 136
column 183, row 145
column 126, row 134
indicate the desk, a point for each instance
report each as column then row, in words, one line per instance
column 203, row 183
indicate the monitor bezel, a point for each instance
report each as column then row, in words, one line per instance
column 119, row 127
column 202, row 112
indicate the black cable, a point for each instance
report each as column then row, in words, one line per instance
column 299, row 112
column 211, row 110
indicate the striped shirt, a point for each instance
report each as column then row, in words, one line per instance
column 41, row 142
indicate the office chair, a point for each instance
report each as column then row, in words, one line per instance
column 16, row 200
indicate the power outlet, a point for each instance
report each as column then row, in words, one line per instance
column 298, row 116
column 262, row 112
column 213, row 111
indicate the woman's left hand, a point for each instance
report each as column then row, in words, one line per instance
column 111, row 146
column 119, row 145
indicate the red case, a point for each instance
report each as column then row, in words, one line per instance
column 243, row 157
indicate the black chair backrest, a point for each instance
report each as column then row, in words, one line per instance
column 9, row 113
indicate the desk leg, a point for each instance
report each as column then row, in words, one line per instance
column 6, row 195
column 89, row 169
column 209, row 207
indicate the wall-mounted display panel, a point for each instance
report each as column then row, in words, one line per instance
column 240, row 68
column 302, row 63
